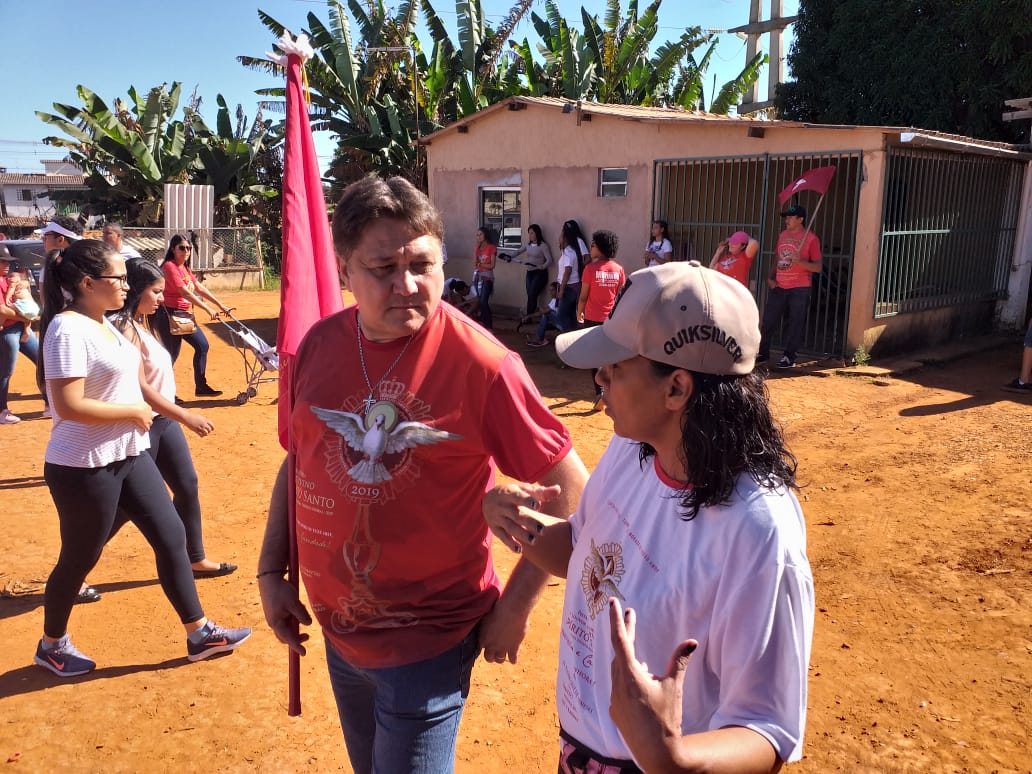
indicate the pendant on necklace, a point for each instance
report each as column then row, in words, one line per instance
column 369, row 403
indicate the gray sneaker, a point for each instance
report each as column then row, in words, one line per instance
column 63, row 659
column 216, row 640
column 786, row 362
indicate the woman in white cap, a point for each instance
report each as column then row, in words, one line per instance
column 690, row 516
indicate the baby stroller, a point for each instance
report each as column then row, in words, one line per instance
column 259, row 357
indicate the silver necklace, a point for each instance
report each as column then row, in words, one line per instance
column 369, row 401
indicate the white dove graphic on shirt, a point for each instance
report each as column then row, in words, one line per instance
column 377, row 440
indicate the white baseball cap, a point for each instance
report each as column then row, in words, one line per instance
column 678, row 313
column 54, row 228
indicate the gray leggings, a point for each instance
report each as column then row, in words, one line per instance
column 89, row 502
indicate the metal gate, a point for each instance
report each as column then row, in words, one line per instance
column 948, row 229
column 704, row 200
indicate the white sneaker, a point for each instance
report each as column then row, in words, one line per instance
column 7, row 418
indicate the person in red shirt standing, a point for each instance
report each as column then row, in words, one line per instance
column 402, row 410
column 734, row 256
column 602, row 282
column 797, row 259
column 483, row 275
column 183, row 291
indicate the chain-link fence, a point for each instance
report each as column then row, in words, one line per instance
column 228, row 249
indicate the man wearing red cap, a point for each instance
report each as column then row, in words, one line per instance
column 689, row 517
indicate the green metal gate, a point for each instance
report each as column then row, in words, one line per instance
column 948, row 229
column 704, row 200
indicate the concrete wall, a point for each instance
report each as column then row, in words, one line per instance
column 556, row 163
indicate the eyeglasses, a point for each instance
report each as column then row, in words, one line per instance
column 123, row 279
column 186, row 248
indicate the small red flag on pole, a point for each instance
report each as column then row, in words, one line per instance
column 309, row 282
column 815, row 180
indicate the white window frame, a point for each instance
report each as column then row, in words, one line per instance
column 611, row 189
column 515, row 240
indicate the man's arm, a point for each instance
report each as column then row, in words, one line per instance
column 502, row 630
column 280, row 599
column 812, row 248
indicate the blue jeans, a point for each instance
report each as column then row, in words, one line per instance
column 794, row 301
column 485, row 287
column 537, row 280
column 10, row 345
column 568, row 308
column 406, row 718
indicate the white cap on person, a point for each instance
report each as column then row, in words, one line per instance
column 678, row 313
column 56, row 228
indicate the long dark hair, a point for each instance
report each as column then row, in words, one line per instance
column 65, row 270
column 573, row 237
column 173, row 243
column 141, row 273
column 727, row 430
column 539, row 238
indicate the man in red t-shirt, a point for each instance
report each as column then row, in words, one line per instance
column 797, row 258
column 401, row 409
column 601, row 283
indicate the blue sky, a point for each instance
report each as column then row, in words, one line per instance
column 51, row 46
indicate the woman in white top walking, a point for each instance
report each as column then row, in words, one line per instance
column 168, row 446
column 94, row 466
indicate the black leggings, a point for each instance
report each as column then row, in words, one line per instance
column 171, row 453
column 88, row 502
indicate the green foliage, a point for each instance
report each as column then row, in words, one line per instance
column 130, row 152
column 861, row 356
column 371, row 99
column 945, row 65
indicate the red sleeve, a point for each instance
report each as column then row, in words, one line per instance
column 173, row 277
column 813, row 248
column 524, row 437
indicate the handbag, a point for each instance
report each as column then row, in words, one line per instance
column 181, row 323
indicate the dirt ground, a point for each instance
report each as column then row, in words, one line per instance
column 917, row 497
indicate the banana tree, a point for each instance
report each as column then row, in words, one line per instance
column 228, row 159
column 364, row 98
column 127, row 154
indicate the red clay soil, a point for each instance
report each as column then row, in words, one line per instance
column 917, row 497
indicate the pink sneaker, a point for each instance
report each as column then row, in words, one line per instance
column 7, row 418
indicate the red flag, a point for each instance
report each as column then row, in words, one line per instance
column 309, row 282
column 815, row 180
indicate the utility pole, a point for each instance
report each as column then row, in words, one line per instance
column 775, row 26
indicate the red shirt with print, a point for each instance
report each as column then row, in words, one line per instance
column 790, row 244
column 394, row 551
column 603, row 280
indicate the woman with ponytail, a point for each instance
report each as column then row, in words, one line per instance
column 95, row 468
column 168, row 446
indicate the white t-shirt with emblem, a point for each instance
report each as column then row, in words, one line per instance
column 735, row 578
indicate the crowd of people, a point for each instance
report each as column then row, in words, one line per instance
column 691, row 510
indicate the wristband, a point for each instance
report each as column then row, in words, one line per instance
column 281, row 573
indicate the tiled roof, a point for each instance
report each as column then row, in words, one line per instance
column 21, row 222
column 51, row 181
